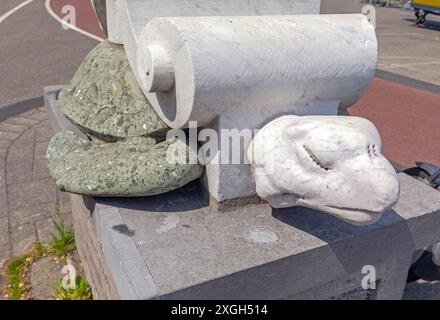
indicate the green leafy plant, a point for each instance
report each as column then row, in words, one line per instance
column 63, row 239
column 15, row 273
column 18, row 268
column 82, row 290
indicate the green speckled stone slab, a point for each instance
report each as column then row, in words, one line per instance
column 104, row 98
column 134, row 167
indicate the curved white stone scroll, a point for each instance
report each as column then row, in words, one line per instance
column 330, row 163
column 127, row 18
column 197, row 68
column 233, row 64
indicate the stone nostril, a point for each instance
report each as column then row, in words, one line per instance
column 372, row 151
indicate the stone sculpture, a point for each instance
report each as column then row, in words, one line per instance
column 239, row 72
column 104, row 98
column 329, row 163
column 126, row 156
column 228, row 65
column 133, row 167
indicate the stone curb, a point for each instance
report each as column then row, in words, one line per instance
column 411, row 82
column 20, row 107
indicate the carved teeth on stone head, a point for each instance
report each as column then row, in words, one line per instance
column 291, row 173
column 315, row 158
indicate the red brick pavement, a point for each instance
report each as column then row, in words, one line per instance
column 86, row 18
column 408, row 121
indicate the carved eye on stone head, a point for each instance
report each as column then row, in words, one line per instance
column 315, row 159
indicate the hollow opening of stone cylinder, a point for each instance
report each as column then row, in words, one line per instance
column 167, row 100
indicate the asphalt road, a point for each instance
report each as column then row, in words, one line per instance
column 36, row 51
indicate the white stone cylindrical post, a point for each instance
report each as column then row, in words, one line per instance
column 254, row 63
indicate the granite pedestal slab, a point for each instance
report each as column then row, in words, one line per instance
column 174, row 246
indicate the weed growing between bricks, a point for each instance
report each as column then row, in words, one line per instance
column 17, row 270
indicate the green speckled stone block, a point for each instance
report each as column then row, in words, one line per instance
column 104, row 98
column 134, row 167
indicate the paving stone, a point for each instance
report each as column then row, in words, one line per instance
column 44, row 275
column 2, row 285
column 2, row 173
column 43, row 132
column 22, row 121
column 32, row 199
column 35, row 114
column 40, row 150
column 10, row 127
column 23, row 195
column 40, row 170
column 4, row 233
column 64, row 202
column 22, row 238
column 2, row 164
column 3, row 202
column 45, row 228
column 19, row 158
column 4, row 145
column 32, row 214
column 64, row 207
column 4, row 256
column 6, row 135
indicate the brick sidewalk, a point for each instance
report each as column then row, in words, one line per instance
column 28, row 196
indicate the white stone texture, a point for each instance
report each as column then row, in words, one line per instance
column 127, row 18
column 239, row 64
column 240, row 72
column 197, row 68
column 330, row 163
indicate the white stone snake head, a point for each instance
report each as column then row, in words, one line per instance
column 330, row 163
